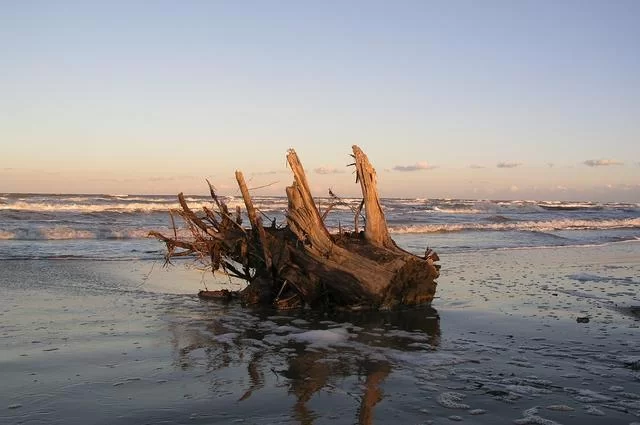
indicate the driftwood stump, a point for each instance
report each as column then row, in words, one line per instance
column 302, row 263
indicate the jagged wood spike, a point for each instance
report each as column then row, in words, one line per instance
column 376, row 231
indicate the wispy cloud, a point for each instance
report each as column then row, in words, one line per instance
column 422, row 165
column 327, row 170
column 601, row 162
column 112, row 180
column 265, row 173
column 508, row 164
column 475, row 166
column 170, row 178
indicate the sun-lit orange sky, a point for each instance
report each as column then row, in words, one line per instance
column 496, row 99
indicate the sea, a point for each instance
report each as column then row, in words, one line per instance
column 536, row 320
column 116, row 227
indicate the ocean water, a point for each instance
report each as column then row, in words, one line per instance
column 114, row 227
column 93, row 330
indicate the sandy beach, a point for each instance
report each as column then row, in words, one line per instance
column 517, row 336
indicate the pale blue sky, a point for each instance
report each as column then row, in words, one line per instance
column 151, row 97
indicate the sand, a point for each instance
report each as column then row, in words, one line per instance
column 110, row 342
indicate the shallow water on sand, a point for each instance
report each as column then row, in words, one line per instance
column 129, row 343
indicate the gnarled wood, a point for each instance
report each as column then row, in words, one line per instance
column 256, row 222
column 376, row 231
column 303, row 263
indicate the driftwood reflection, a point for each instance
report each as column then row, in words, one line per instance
column 377, row 372
column 273, row 356
column 256, row 374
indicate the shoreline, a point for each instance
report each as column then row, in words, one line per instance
column 125, row 342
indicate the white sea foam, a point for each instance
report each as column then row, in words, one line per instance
column 452, row 400
column 457, row 210
column 92, row 208
column 534, row 226
column 58, row 233
column 322, row 338
column 69, row 233
column 81, row 205
column 569, row 205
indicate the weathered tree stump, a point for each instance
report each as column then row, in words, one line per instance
column 302, row 263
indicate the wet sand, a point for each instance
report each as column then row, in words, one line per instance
column 128, row 343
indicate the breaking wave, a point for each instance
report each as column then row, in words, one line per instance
column 110, row 225
column 151, row 203
column 157, row 206
column 68, row 233
column 534, row 226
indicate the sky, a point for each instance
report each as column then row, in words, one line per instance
column 454, row 99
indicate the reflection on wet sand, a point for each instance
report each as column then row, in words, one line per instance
column 304, row 351
column 376, row 374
